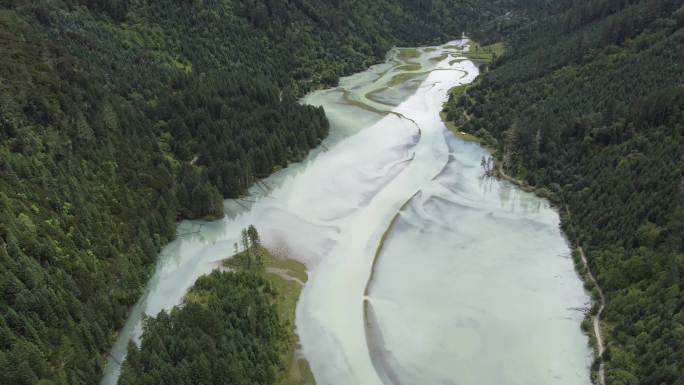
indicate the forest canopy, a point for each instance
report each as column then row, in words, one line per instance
column 227, row 332
column 119, row 117
column 587, row 106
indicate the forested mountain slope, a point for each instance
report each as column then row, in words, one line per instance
column 588, row 106
column 119, row 117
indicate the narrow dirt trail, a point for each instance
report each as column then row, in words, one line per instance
column 597, row 318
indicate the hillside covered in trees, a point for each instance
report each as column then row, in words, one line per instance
column 587, row 106
column 119, row 117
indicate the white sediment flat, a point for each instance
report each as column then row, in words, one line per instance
column 473, row 285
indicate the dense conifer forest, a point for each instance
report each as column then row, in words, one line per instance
column 120, row 117
column 117, row 118
column 227, row 332
column 588, row 107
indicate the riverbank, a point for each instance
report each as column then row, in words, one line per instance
column 581, row 264
column 288, row 277
column 482, row 56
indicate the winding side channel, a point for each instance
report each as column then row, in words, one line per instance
column 471, row 284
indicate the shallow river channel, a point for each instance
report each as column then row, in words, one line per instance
column 421, row 269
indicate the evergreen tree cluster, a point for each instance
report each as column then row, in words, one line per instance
column 251, row 255
column 588, row 106
column 227, row 332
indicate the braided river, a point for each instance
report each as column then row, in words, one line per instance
column 422, row 270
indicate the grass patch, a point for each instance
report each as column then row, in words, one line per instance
column 497, row 48
column 408, row 53
column 297, row 370
column 485, row 53
column 466, row 137
column 409, row 67
column 404, row 77
column 298, row 373
column 352, row 102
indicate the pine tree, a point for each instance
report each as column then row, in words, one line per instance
column 255, row 242
column 244, row 238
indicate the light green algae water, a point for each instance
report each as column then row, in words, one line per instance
column 473, row 284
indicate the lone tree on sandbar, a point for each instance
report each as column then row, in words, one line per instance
column 244, row 239
column 255, row 242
